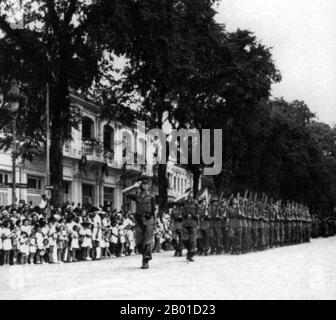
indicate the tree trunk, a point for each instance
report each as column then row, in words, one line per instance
column 163, row 186
column 59, row 116
column 196, row 178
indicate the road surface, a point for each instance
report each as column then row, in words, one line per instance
column 305, row 271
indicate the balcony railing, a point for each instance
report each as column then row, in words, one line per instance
column 94, row 154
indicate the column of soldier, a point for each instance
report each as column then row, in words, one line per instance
column 240, row 225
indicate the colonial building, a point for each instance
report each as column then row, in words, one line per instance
column 93, row 170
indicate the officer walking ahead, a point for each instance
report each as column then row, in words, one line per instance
column 189, row 225
column 144, row 220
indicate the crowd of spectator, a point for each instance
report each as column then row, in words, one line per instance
column 70, row 233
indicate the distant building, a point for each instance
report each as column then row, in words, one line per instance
column 93, row 171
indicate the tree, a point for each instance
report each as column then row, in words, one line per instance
column 166, row 43
column 53, row 47
column 227, row 96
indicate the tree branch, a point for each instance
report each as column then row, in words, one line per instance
column 54, row 19
column 70, row 12
column 25, row 39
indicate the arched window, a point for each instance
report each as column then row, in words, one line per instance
column 127, row 144
column 142, row 151
column 108, row 139
column 87, row 129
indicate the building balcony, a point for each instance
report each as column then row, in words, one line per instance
column 93, row 154
column 71, row 152
column 111, row 162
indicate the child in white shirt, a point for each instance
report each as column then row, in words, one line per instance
column 6, row 242
column 24, row 247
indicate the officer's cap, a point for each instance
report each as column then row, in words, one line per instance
column 143, row 179
column 214, row 198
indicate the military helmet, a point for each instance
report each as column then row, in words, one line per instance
column 214, row 198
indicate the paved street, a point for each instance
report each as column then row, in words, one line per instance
column 300, row 272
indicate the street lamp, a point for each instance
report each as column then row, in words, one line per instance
column 14, row 97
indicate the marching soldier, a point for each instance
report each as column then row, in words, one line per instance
column 261, row 227
column 229, row 233
column 249, row 227
column 236, row 227
column 254, row 227
column 144, row 220
column 216, row 237
column 189, row 225
column 244, row 226
column 223, row 212
column 282, row 226
column 310, row 227
column 176, row 225
column 266, row 225
column 204, row 229
column 277, row 226
column 271, row 215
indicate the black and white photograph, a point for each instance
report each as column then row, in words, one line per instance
column 167, row 150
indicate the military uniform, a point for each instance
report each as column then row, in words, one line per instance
column 236, row 228
column 189, row 226
column 271, row 227
column 261, row 228
column 223, row 212
column 216, row 236
column 277, row 227
column 244, row 229
column 266, row 226
column 144, row 224
column 254, row 229
column 204, row 230
column 282, row 228
column 177, row 219
column 249, row 228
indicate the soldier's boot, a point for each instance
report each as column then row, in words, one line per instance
column 219, row 251
column 190, row 257
column 145, row 264
column 180, row 253
column 176, row 253
column 206, row 252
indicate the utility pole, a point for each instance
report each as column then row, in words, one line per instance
column 48, row 141
column 14, row 163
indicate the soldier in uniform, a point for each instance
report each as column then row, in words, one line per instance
column 277, row 227
column 300, row 226
column 244, row 226
column 223, row 212
column 144, row 220
column 266, row 225
column 176, row 226
column 229, row 235
column 309, row 226
column 261, row 227
column 282, row 226
column 216, row 236
column 249, row 227
column 287, row 225
column 204, row 229
column 236, row 227
column 271, row 215
column 254, row 230
column 189, row 225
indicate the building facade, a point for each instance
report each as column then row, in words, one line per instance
column 94, row 170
